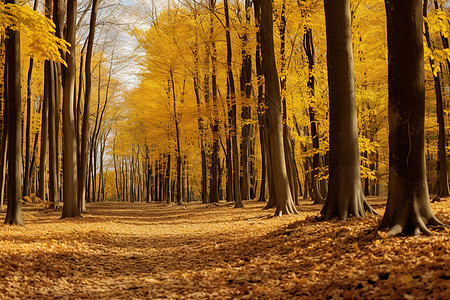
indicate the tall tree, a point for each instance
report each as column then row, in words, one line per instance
column 345, row 195
column 408, row 207
column 70, row 208
column 232, row 98
column 82, row 171
column 214, row 185
column 443, row 190
column 308, row 45
column 246, row 114
column 276, row 163
column 4, row 137
column 13, row 98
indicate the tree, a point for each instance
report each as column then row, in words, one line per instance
column 276, row 164
column 231, row 95
column 70, row 208
column 442, row 169
column 408, row 207
column 14, row 109
column 82, row 172
column 345, row 195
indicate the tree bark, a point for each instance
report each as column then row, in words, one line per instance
column 232, row 99
column 246, row 114
column 70, row 208
column 345, row 195
column 443, row 190
column 277, row 164
column 308, row 45
column 26, row 177
column 214, row 186
column 82, row 172
column 261, row 111
column 408, row 208
column 3, row 160
column 13, row 97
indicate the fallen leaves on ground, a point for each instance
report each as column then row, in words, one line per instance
column 196, row 251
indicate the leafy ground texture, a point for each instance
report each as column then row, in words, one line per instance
column 196, row 251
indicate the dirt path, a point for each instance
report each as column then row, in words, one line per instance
column 138, row 250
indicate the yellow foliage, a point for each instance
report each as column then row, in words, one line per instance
column 40, row 31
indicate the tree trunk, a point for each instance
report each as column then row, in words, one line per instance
column 201, row 126
column 286, row 130
column 70, row 208
column 13, row 97
column 308, row 46
column 232, row 99
column 53, row 110
column 277, row 164
column 408, row 207
column 246, row 114
column 82, row 172
column 261, row 111
column 443, row 190
column 214, row 186
column 26, row 177
column 44, row 135
column 345, row 194
column 4, row 141
column 4, row 137
column 3, row 159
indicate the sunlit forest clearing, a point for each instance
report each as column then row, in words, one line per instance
column 224, row 149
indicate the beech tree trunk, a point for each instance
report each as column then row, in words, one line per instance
column 3, row 158
column 261, row 112
column 277, row 165
column 443, row 190
column 288, row 153
column 308, row 45
column 201, row 124
column 4, row 137
column 232, row 99
column 52, row 84
column 26, row 176
column 82, row 172
column 214, row 186
column 14, row 109
column 70, row 208
column 345, row 195
column 408, row 207
column 246, row 114
column 44, row 135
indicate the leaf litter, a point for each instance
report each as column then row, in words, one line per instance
column 193, row 251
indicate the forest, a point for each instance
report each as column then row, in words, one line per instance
column 224, row 149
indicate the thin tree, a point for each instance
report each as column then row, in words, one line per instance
column 13, row 98
column 82, row 172
column 246, row 114
column 70, row 208
column 443, row 190
column 408, row 207
column 4, row 141
column 345, row 195
column 232, row 100
column 276, row 163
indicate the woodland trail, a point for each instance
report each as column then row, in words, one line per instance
column 195, row 251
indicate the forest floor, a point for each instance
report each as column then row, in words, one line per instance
column 196, row 251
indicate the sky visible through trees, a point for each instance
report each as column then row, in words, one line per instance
column 334, row 107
